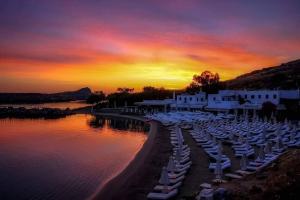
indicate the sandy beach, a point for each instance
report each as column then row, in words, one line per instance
column 143, row 172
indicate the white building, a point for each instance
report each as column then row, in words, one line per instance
column 248, row 99
column 190, row 102
column 223, row 101
column 156, row 105
column 289, row 94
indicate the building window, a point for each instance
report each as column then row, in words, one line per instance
column 223, row 99
column 184, row 99
column 179, row 98
column 274, row 96
column 214, row 98
column 267, row 96
column 259, row 96
column 201, row 99
column 191, row 98
column 197, row 99
column 245, row 96
column 252, row 96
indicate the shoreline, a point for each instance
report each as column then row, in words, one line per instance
column 142, row 173
column 139, row 118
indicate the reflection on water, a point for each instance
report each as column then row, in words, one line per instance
column 65, row 158
column 118, row 123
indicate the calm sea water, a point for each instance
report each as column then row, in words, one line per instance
column 67, row 158
column 60, row 105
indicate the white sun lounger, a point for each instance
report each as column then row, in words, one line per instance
column 175, row 180
column 233, row 176
column 205, row 185
column 243, row 172
column 158, row 195
column 176, row 175
column 171, row 187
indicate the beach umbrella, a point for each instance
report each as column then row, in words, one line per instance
column 290, row 125
column 265, row 120
column 244, row 162
column 261, row 154
column 278, row 144
column 178, row 156
column 275, row 120
column 195, row 125
column 268, row 148
column 177, row 129
column 240, row 138
column 248, row 135
column 254, row 114
column 179, row 135
column 208, row 136
column 264, row 135
column 247, row 143
column 164, row 179
column 171, row 165
column 278, row 131
column 295, row 128
column 220, row 147
column 218, row 170
column 231, row 136
column 180, row 142
column 219, row 154
column 272, row 115
column 236, row 112
column 214, row 140
column 292, row 137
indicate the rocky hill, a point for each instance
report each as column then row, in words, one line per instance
column 81, row 94
column 280, row 180
column 284, row 76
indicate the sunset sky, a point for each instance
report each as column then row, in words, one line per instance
column 57, row 45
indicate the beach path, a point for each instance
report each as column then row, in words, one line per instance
column 199, row 172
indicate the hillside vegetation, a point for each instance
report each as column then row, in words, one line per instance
column 284, row 76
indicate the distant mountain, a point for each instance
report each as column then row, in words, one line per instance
column 284, row 76
column 81, row 94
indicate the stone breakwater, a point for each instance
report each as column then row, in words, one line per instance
column 47, row 113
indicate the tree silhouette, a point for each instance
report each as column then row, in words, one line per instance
column 96, row 97
column 206, row 78
column 193, row 88
column 125, row 90
column 207, row 81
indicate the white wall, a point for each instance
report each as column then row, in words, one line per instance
column 260, row 96
column 189, row 100
column 289, row 94
column 229, row 99
column 216, row 101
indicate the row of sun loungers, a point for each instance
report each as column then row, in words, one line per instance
column 270, row 140
column 256, row 142
column 173, row 174
column 212, row 149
